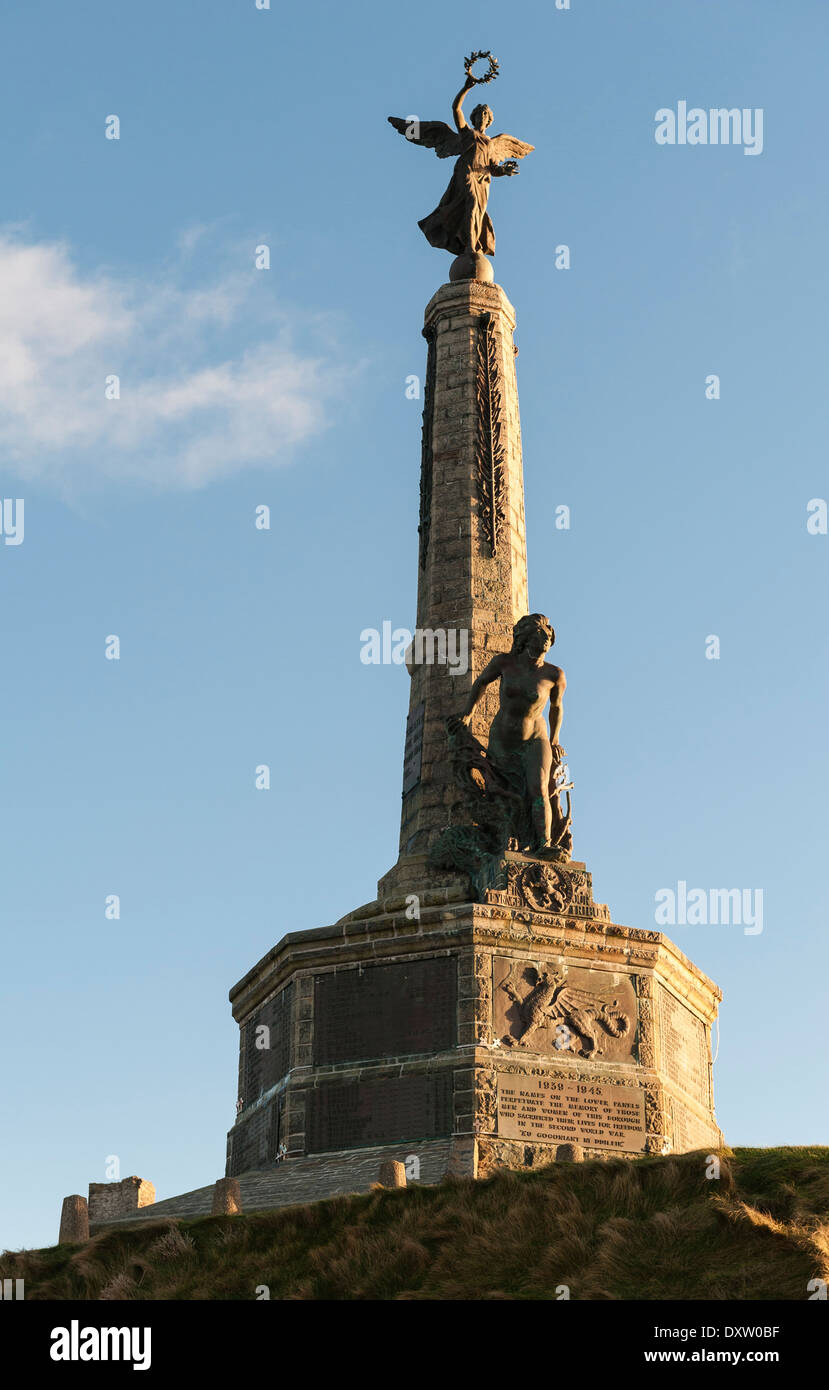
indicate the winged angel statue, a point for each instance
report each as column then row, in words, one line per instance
column 460, row 222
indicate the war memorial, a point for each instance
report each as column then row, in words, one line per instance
column 483, row 1010
column 533, row 1076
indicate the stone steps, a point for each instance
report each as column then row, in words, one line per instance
column 298, row 1180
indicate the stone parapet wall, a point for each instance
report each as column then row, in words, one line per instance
column 307, row 1179
column 109, row 1200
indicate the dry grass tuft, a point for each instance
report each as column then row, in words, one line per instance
column 172, row 1245
column 122, row 1288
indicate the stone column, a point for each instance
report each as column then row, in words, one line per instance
column 227, row 1197
column 472, row 576
column 392, row 1173
column 74, row 1220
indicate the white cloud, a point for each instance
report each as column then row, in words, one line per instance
column 211, row 380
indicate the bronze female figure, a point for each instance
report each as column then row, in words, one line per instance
column 460, row 223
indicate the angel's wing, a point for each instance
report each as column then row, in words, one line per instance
column 507, row 147
column 435, row 135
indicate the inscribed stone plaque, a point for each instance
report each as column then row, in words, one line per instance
column 347, row 1116
column 413, row 750
column 393, row 1010
column 546, row 1110
column 683, row 1048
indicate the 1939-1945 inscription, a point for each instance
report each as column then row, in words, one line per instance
column 545, row 1110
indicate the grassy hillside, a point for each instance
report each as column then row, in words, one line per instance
column 655, row 1228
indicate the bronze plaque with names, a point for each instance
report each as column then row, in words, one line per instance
column 413, row 750
column 382, row 1110
column 545, row 1110
column 385, row 1011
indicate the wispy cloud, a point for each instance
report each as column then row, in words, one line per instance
column 212, row 380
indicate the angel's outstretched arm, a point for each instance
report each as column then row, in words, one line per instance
column 460, row 119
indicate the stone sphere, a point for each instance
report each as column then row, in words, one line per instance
column 472, row 266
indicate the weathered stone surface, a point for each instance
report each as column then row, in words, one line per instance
column 227, row 1197
column 108, row 1200
column 305, row 1179
column 569, row 1153
column 392, row 1173
column 462, row 585
column 463, row 1157
column 74, row 1220
column 683, row 1051
column 603, row 980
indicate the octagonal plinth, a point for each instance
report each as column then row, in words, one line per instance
column 499, row 1026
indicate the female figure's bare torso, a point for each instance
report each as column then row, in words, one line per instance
column 518, row 731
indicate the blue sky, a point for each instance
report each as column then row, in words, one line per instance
column 239, row 387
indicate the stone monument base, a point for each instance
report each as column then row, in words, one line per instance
column 507, row 1026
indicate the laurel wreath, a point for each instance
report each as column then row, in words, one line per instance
column 488, row 76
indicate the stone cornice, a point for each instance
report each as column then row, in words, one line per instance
column 444, row 927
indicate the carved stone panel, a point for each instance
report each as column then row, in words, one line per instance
column 566, row 1011
column 543, row 887
column 545, row 1110
column 646, row 1045
column 490, row 440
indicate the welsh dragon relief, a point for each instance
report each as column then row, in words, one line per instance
column 579, row 1018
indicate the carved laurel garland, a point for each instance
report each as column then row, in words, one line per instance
column 426, row 446
column 490, row 447
column 656, row 1122
column 647, row 1053
column 482, row 966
